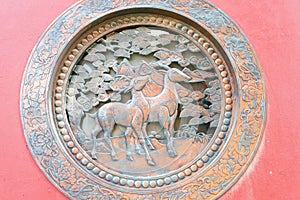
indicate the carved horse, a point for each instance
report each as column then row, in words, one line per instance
column 131, row 115
column 163, row 107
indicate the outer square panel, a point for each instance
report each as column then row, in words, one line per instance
column 234, row 123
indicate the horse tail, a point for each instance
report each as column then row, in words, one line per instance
column 94, row 116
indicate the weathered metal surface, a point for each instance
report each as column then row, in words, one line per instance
column 143, row 100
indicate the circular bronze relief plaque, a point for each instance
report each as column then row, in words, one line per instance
column 143, row 100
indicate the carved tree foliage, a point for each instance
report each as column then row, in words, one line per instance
column 104, row 74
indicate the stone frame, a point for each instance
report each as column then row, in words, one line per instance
column 232, row 150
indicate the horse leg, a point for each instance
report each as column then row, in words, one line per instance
column 171, row 132
column 137, row 123
column 94, row 134
column 138, row 147
column 129, row 140
column 108, row 126
column 165, row 121
column 150, row 145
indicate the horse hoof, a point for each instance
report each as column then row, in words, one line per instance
column 152, row 147
column 129, row 157
column 172, row 154
column 114, row 158
column 139, row 152
column 94, row 157
column 151, row 162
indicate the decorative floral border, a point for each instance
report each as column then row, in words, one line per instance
column 74, row 182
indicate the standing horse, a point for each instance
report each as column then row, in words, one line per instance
column 163, row 107
column 131, row 115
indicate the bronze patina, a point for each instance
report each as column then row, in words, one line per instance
column 143, row 100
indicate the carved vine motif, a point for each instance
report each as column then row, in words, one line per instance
column 152, row 65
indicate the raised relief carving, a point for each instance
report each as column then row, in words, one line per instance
column 169, row 79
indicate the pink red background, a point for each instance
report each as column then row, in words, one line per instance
column 272, row 27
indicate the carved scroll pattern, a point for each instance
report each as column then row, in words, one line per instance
column 238, row 152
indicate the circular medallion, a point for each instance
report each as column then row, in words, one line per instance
column 143, row 100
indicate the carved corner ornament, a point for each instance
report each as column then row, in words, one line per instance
column 142, row 99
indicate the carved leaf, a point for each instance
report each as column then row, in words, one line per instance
column 210, row 91
column 164, row 41
column 193, row 48
column 98, row 63
column 91, row 84
column 105, row 85
column 115, row 96
column 77, row 86
column 164, row 62
column 181, row 48
column 197, row 95
column 205, row 74
column 78, row 68
column 102, row 97
column 176, row 57
column 194, row 60
column 183, row 93
column 184, row 63
column 185, row 113
column 204, row 65
column 162, row 55
column 94, row 57
column 72, row 104
column 143, row 30
column 120, row 84
column 103, row 69
column 195, row 76
column 202, row 120
column 186, row 100
column 214, row 124
column 107, row 77
column 84, row 102
column 215, row 97
column 95, row 73
column 100, row 48
column 182, row 39
column 94, row 101
column 84, row 75
column 215, row 107
column 111, row 64
column 196, row 113
column 122, row 53
column 124, row 45
column 140, row 42
column 169, row 36
column 214, row 83
column 149, row 50
column 77, row 79
column 86, row 68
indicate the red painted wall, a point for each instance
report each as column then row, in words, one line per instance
column 272, row 26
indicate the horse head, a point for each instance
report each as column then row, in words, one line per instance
column 138, row 83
